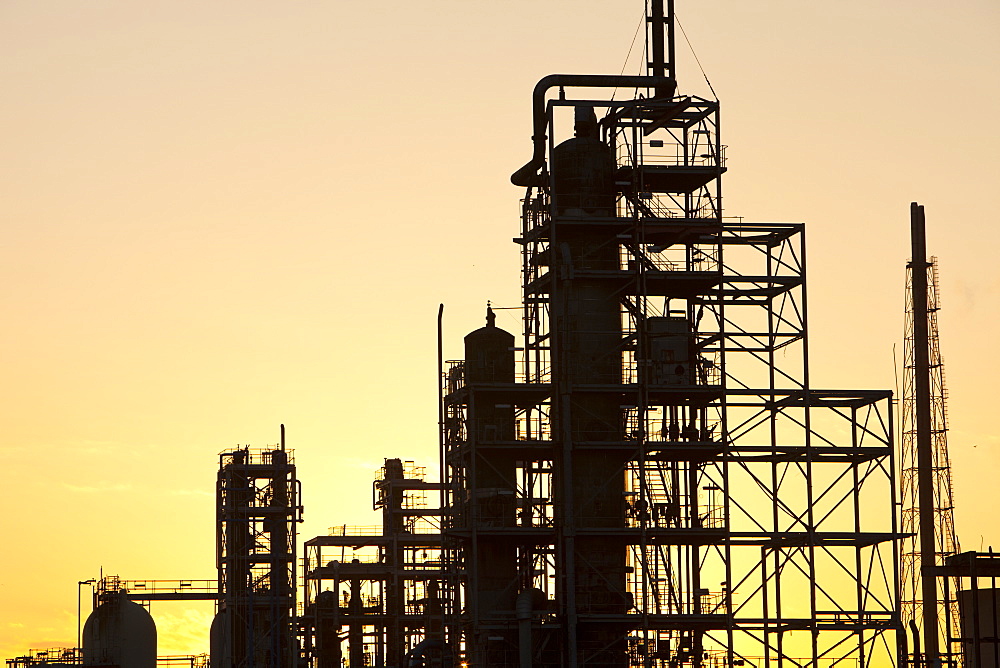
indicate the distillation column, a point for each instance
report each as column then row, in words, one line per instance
column 489, row 362
column 586, row 368
column 256, row 511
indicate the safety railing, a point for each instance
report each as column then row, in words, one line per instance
column 454, row 378
column 644, row 514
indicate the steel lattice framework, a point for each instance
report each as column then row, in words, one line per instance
column 945, row 539
column 671, row 490
column 257, row 508
column 380, row 590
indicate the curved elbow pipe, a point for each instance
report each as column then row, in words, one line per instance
column 419, row 655
column 526, row 176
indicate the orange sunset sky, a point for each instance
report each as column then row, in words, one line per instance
column 222, row 216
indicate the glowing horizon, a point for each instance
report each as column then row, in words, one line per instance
column 218, row 221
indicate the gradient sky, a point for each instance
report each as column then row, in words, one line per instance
column 218, row 217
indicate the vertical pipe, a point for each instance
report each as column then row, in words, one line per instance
column 338, row 652
column 392, row 526
column 977, row 629
column 355, row 629
column 440, row 392
column 661, row 56
column 523, row 610
column 281, row 530
column 655, row 18
column 993, row 612
column 925, row 455
column 79, row 635
column 916, row 640
column 444, row 500
column 671, row 66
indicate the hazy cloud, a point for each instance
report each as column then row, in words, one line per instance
column 191, row 492
column 99, row 487
column 184, row 632
column 361, row 463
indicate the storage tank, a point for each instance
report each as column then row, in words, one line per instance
column 219, row 653
column 119, row 633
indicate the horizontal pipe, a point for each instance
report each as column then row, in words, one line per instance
column 526, row 175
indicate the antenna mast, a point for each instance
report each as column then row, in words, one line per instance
column 926, row 469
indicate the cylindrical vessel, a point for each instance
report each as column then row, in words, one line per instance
column 489, row 365
column 121, row 633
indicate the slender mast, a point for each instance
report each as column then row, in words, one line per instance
column 925, row 454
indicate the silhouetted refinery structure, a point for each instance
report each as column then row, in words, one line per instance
column 644, row 476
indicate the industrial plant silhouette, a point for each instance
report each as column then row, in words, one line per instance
column 643, row 476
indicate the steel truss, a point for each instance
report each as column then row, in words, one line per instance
column 945, row 539
column 380, row 591
column 257, row 507
column 686, row 498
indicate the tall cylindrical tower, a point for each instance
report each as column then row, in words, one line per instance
column 256, row 512
column 488, row 367
column 587, row 377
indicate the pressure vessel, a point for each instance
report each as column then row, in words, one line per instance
column 489, row 354
column 121, row 633
column 583, row 171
